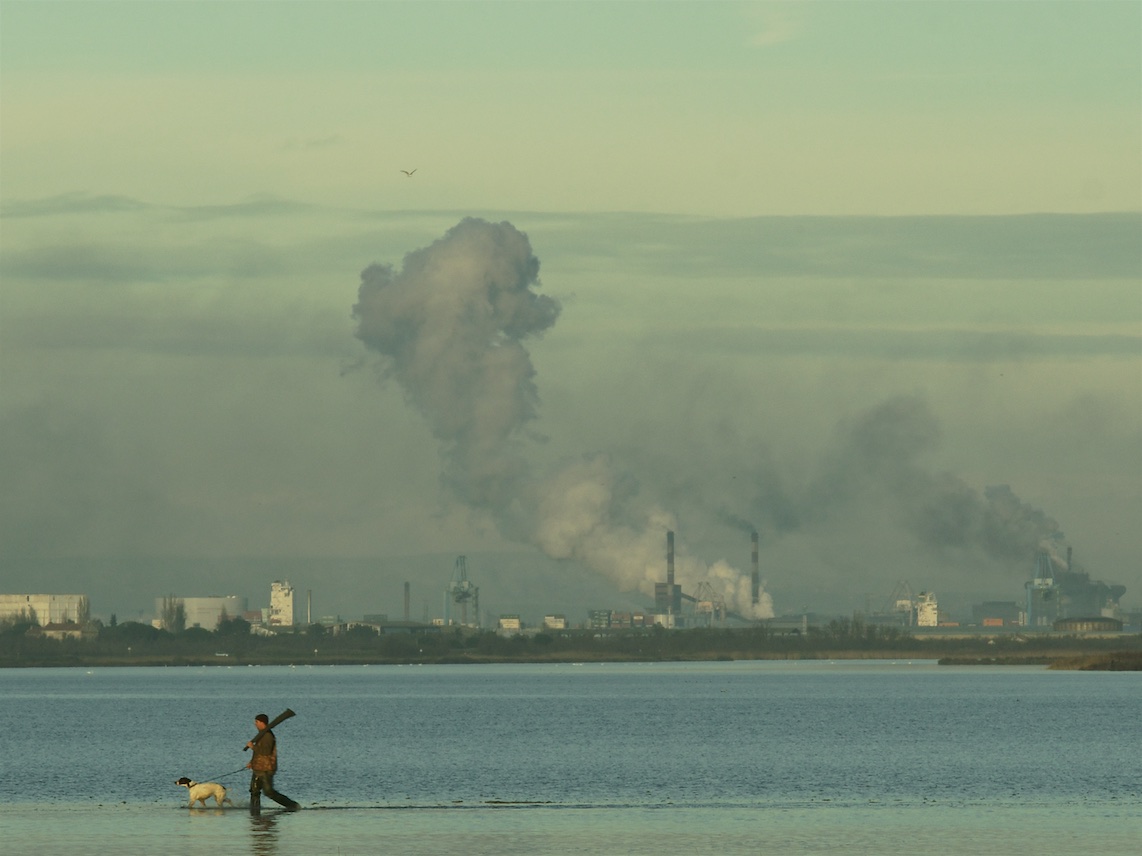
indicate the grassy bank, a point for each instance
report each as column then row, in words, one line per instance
column 142, row 645
column 1117, row 661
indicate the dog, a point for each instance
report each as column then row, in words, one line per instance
column 202, row 791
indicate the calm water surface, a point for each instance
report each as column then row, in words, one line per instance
column 719, row 758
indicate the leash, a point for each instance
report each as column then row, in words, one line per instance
column 226, row 775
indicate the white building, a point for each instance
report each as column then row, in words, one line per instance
column 555, row 622
column 509, row 625
column 206, row 612
column 44, row 608
column 927, row 613
column 281, row 604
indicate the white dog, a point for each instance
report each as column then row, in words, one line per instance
column 202, row 791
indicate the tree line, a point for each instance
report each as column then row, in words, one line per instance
column 135, row 643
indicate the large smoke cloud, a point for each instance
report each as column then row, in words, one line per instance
column 451, row 325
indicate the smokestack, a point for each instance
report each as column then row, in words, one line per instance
column 1068, row 560
column 309, row 606
column 670, row 558
column 406, row 593
column 755, row 575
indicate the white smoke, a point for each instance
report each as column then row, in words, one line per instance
column 450, row 326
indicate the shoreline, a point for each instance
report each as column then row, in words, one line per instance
column 1074, row 660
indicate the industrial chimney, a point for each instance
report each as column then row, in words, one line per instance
column 755, row 574
column 667, row 595
column 406, row 598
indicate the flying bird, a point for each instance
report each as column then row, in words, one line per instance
column 406, row 172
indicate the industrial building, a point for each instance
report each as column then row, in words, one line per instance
column 553, row 621
column 205, row 612
column 281, row 604
column 509, row 625
column 1059, row 591
column 614, row 619
column 905, row 608
column 45, row 609
column 997, row 613
column 1088, row 625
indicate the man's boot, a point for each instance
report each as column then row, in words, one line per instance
column 255, row 802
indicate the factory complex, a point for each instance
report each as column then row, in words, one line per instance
column 1057, row 597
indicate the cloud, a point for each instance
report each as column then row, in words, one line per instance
column 108, row 261
column 71, row 203
column 1017, row 247
column 259, row 205
column 970, row 346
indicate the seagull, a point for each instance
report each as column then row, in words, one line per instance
column 406, row 172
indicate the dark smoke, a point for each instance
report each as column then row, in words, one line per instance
column 878, row 458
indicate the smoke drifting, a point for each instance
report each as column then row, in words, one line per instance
column 939, row 509
column 450, row 325
column 878, row 458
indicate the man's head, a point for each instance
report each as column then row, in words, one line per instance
column 262, row 721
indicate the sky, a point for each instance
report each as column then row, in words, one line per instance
column 865, row 277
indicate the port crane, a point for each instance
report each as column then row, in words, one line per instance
column 708, row 604
column 461, row 592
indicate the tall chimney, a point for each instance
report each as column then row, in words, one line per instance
column 670, row 558
column 406, row 593
column 309, row 606
column 1068, row 560
column 755, row 575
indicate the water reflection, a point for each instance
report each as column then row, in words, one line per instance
column 264, row 834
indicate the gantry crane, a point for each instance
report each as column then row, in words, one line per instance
column 461, row 591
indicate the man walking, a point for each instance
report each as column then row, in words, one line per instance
column 263, row 766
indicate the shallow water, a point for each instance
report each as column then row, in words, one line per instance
column 746, row 757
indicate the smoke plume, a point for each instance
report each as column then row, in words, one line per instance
column 940, row 510
column 450, row 326
column 878, row 458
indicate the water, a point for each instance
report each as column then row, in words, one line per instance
column 719, row 758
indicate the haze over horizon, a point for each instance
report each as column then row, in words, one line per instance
column 866, row 277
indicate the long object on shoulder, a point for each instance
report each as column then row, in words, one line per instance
column 281, row 717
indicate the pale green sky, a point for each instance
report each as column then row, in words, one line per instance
column 765, row 222
column 724, row 109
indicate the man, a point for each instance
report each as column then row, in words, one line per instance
column 263, row 766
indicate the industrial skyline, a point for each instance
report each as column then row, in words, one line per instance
column 1058, row 589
